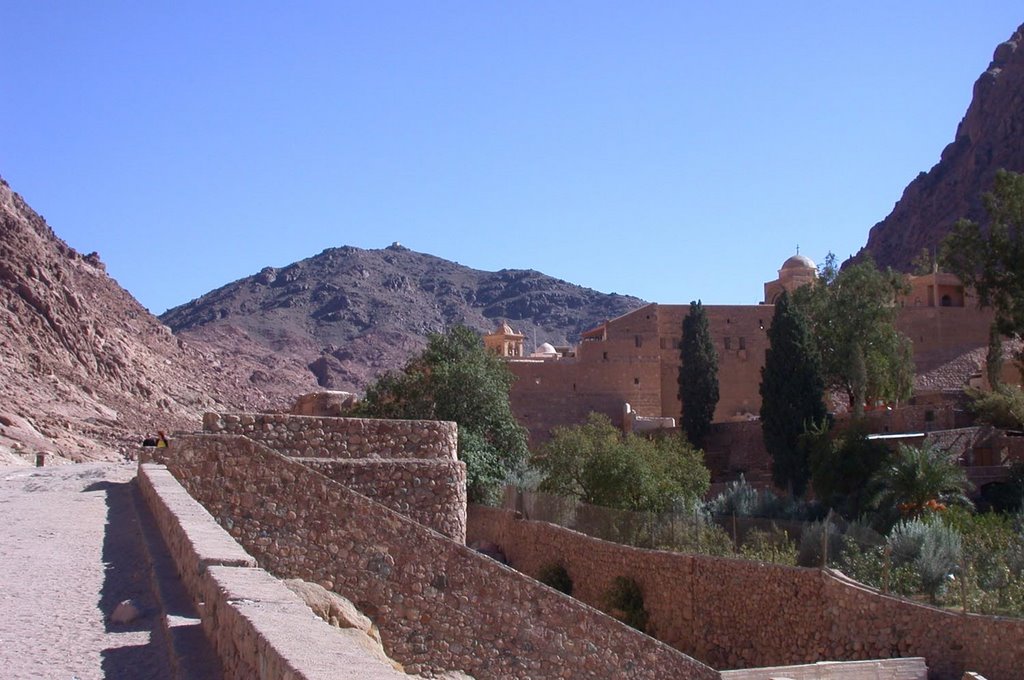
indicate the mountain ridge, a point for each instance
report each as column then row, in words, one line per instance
column 988, row 138
column 354, row 313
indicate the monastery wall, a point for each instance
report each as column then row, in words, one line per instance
column 740, row 614
column 438, row 604
column 635, row 359
column 411, row 466
column 942, row 333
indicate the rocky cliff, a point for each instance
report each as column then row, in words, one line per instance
column 990, row 137
column 87, row 371
column 350, row 314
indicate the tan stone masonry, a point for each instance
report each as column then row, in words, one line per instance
column 438, row 604
column 732, row 613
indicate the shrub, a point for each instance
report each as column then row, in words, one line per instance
column 931, row 547
column 556, row 576
column 809, row 554
column 769, row 546
column 743, row 500
column 625, row 599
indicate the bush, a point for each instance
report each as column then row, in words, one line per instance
column 743, row 500
column 625, row 599
column 769, row 546
column 556, row 576
column 809, row 554
column 932, row 548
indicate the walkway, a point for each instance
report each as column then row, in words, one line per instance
column 70, row 551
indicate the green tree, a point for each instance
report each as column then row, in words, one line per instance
column 842, row 467
column 994, row 357
column 698, row 375
column 456, row 378
column 919, row 480
column 852, row 314
column 792, row 395
column 597, row 464
column 990, row 259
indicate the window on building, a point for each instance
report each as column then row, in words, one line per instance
column 664, row 343
column 638, row 341
column 728, row 343
column 605, row 356
column 743, row 343
column 636, row 381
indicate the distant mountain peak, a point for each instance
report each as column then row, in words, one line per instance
column 353, row 314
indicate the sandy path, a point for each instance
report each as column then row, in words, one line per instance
column 69, row 552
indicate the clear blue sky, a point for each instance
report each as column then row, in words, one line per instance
column 669, row 150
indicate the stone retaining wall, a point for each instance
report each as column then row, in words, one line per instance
column 326, row 437
column 411, row 466
column 437, row 603
column 257, row 626
column 430, row 492
column 738, row 614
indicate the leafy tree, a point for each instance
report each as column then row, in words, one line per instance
column 597, row 464
column 1001, row 407
column 852, row 315
column 698, row 375
column 792, row 395
column 456, row 378
column 842, row 467
column 918, row 481
column 991, row 260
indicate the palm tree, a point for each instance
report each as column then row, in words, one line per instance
column 919, row 480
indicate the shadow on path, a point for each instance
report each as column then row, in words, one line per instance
column 127, row 577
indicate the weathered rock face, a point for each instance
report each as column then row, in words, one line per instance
column 351, row 314
column 990, row 137
column 86, row 370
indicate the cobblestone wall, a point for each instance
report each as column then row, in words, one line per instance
column 740, row 614
column 437, row 603
column 411, row 466
column 430, row 492
column 326, row 437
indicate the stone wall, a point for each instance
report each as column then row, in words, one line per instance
column 411, row 466
column 437, row 603
column 431, row 494
column 739, row 614
column 257, row 627
column 326, row 437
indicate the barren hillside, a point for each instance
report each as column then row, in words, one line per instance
column 86, row 370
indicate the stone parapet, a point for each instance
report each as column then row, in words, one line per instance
column 350, row 438
column 431, row 492
column 734, row 614
column 261, row 629
column 257, row 626
column 195, row 541
column 438, row 604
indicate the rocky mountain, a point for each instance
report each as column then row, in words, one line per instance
column 990, row 137
column 87, row 371
column 351, row 314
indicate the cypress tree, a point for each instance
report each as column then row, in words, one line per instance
column 792, row 395
column 994, row 357
column 698, row 375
